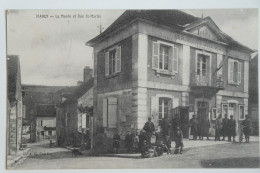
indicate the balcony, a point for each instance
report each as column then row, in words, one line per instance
column 207, row 80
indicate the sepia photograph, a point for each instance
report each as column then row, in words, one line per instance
column 132, row 88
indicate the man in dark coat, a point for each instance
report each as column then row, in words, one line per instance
column 129, row 141
column 247, row 125
column 116, row 142
column 224, row 129
column 204, row 127
column 165, row 126
column 194, row 127
column 231, row 128
column 149, row 128
column 218, row 124
column 175, row 123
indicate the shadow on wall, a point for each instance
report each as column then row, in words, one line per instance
column 246, row 162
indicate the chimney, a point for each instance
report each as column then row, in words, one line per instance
column 87, row 74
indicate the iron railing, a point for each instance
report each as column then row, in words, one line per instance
column 207, row 80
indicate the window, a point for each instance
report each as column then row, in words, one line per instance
column 83, row 121
column 165, row 58
column 232, row 109
column 241, row 112
column 224, row 110
column 41, row 123
column 214, row 113
column 202, row 61
column 163, row 108
column 113, row 61
column 110, row 112
column 234, row 74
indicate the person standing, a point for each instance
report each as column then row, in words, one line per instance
column 218, row 127
column 231, row 128
column 204, row 125
column 165, row 126
column 175, row 124
column 225, row 127
column 116, row 142
column 194, row 127
column 178, row 141
column 247, row 125
column 149, row 128
column 129, row 141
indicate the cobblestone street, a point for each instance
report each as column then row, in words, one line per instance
column 222, row 155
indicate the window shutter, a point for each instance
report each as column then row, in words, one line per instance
column 104, row 112
column 112, row 112
column 84, row 120
column 118, row 59
column 155, row 62
column 230, row 70
column 171, row 59
column 175, row 60
column 239, row 72
column 107, row 63
column 155, row 110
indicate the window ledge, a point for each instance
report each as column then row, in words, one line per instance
column 233, row 83
column 112, row 75
column 165, row 72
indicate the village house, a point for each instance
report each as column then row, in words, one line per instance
column 74, row 114
column 153, row 63
column 15, row 105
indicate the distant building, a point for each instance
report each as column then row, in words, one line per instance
column 45, row 121
column 15, row 104
column 40, row 102
column 253, row 94
column 153, row 63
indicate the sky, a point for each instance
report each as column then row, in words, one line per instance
column 52, row 50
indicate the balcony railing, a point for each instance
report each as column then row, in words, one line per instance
column 207, row 80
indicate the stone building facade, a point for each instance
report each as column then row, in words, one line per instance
column 149, row 63
column 15, row 105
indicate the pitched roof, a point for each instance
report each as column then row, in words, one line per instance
column 45, row 110
column 171, row 18
column 174, row 19
column 14, row 78
column 78, row 92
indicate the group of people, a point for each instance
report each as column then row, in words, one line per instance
column 141, row 142
column 225, row 127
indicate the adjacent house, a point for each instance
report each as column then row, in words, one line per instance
column 15, row 105
column 153, row 63
column 253, row 93
column 74, row 114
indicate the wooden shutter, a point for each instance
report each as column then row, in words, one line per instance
column 155, row 110
column 175, row 60
column 112, row 112
column 230, row 70
column 155, row 62
column 239, row 72
column 84, row 121
column 170, row 65
column 104, row 112
column 107, row 63
column 118, row 59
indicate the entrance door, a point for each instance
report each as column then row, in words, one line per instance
column 203, row 109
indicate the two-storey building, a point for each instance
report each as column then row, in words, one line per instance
column 149, row 62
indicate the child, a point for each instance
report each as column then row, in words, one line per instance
column 178, row 141
column 167, row 143
column 116, row 142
